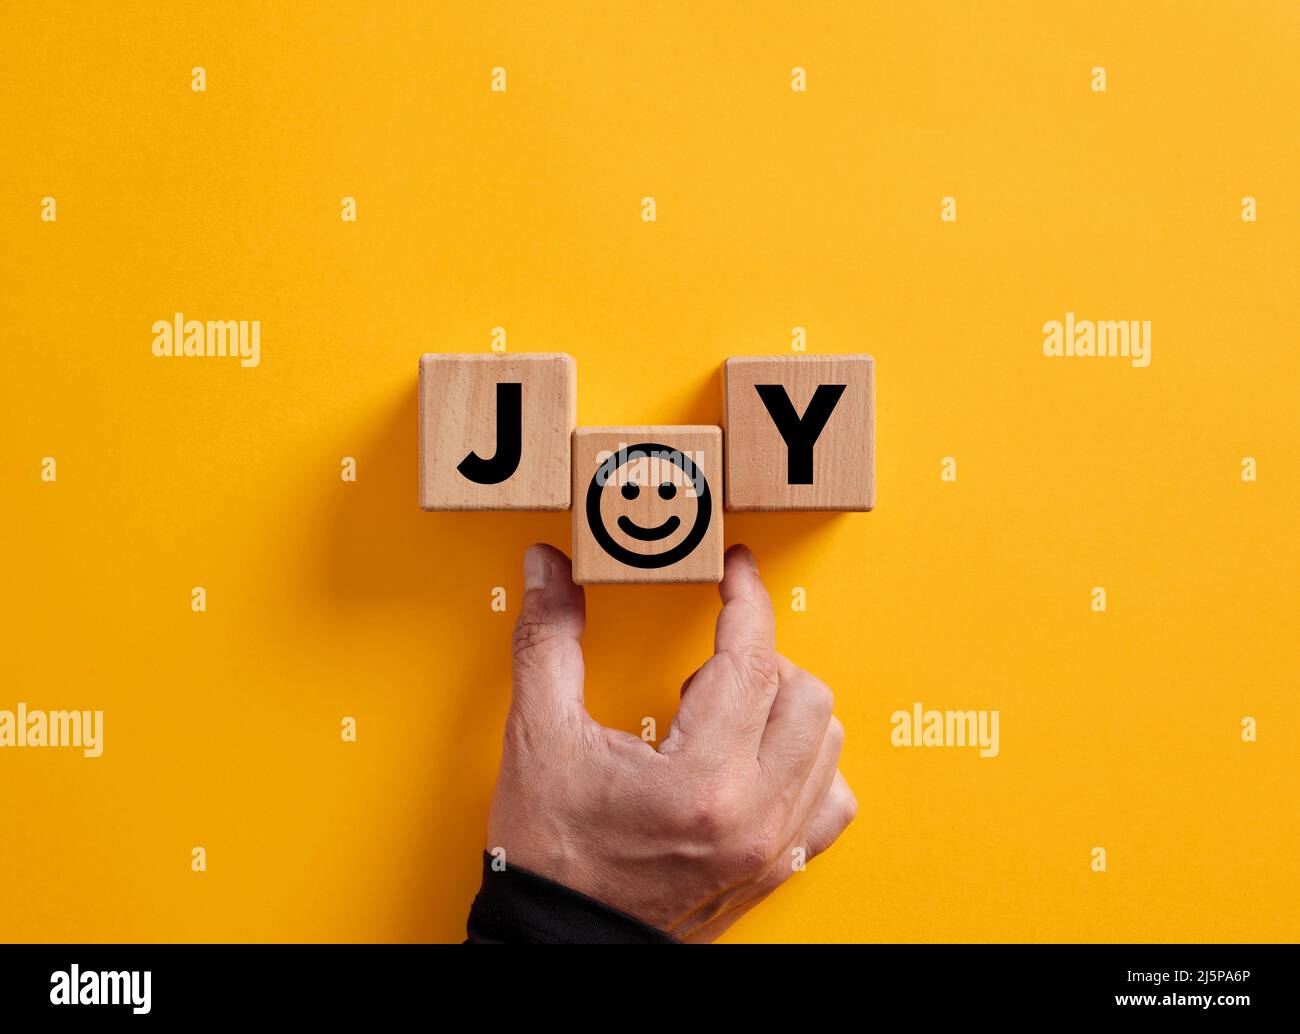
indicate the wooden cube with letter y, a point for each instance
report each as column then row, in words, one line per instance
column 647, row 504
column 800, row 432
column 495, row 429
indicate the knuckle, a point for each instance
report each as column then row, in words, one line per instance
column 725, row 834
column 714, row 815
column 757, row 668
column 755, row 851
column 822, row 697
column 530, row 634
column 850, row 806
column 709, row 819
column 835, row 734
column 706, row 821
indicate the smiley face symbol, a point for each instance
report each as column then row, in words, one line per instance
column 666, row 473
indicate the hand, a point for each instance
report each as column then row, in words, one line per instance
column 692, row 835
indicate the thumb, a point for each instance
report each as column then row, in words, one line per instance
column 548, row 668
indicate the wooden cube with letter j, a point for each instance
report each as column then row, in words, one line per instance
column 494, row 431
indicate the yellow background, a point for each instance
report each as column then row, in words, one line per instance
column 775, row 209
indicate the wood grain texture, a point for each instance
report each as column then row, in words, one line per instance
column 459, row 416
column 645, row 505
column 758, row 461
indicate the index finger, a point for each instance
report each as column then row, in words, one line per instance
column 729, row 698
column 746, row 624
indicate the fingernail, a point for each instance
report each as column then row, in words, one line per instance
column 536, row 569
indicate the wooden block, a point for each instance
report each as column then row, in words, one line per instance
column 495, row 429
column 647, row 504
column 800, row 432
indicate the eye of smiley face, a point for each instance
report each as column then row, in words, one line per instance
column 669, row 466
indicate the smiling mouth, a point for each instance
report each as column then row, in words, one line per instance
column 649, row 534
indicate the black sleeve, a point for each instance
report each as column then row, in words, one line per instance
column 515, row 906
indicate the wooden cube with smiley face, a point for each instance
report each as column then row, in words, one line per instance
column 647, row 504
